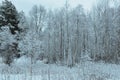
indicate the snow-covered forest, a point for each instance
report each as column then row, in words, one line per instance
column 60, row 44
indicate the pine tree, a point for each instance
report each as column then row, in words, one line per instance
column 9, row 16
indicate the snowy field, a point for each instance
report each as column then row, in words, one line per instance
column 21, row 70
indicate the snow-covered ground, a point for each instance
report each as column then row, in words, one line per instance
column 21, row 70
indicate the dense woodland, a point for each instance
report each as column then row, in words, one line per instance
column 62, row 36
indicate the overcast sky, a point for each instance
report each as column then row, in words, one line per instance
column 26, row 5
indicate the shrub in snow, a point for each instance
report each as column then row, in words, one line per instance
column 9, row 53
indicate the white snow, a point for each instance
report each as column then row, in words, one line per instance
column 21, row 70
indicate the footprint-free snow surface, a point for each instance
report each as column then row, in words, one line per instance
column 22, row 69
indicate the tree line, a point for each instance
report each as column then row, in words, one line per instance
column 67, row 35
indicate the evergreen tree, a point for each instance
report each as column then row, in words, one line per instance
column 9, row 19
column 9, row 16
